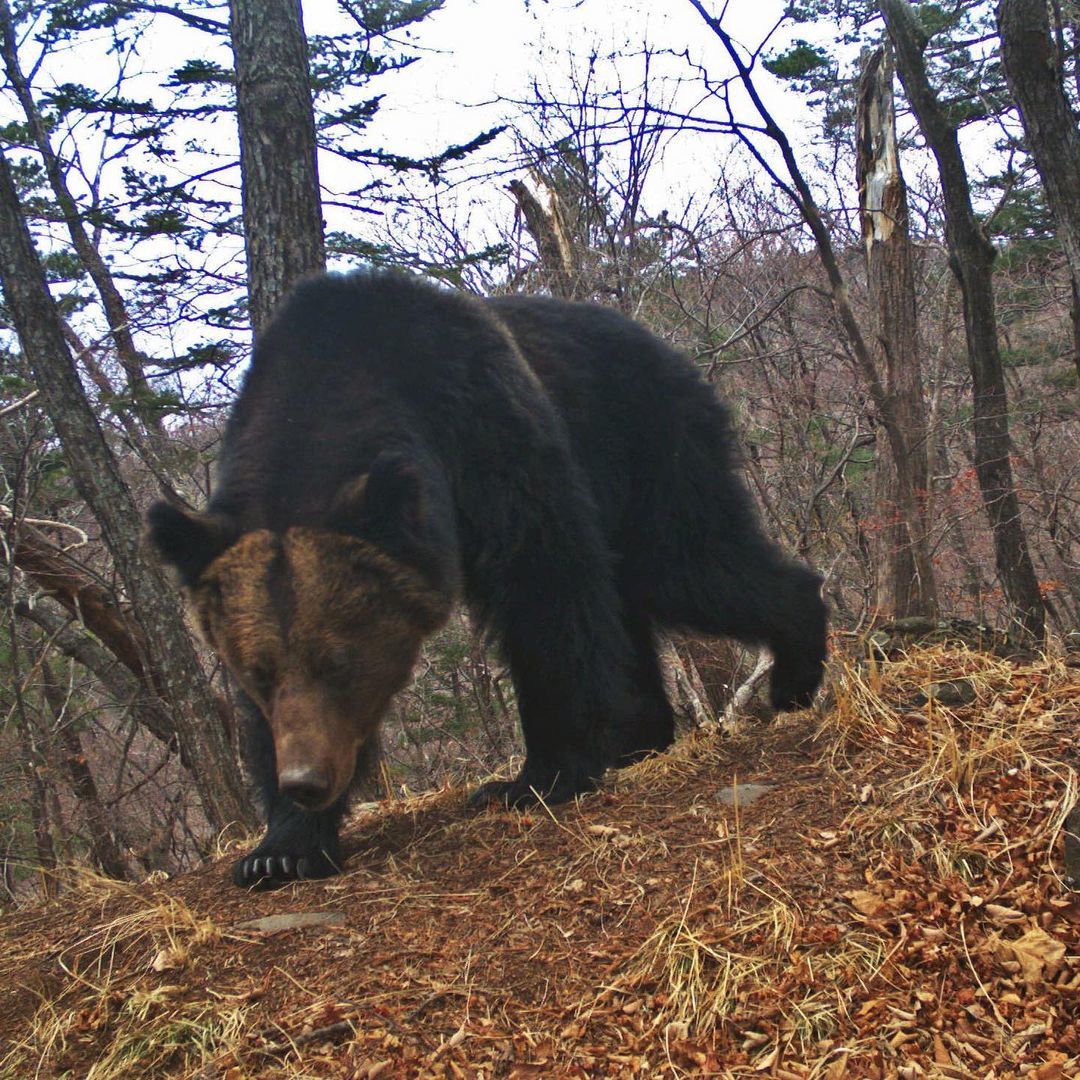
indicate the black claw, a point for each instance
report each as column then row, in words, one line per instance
column 268, row 870
column 298, row 848
column 506, row 795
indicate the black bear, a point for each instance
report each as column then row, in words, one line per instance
column 395, row 446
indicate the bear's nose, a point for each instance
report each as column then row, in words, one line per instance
column 308, row 786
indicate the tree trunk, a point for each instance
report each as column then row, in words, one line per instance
column 971, row 257
column 169, row 651
column 884, row 214
column 70, row 638
column 44, row 849
column 1074, row 318
column 682, row 682
column 283, row 229
column 1032, row 68
column 85, row 598
column 105, row 852
column 35, row 772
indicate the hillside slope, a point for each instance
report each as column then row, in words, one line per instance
column 889, row 904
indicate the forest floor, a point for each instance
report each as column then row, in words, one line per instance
column 888, row 903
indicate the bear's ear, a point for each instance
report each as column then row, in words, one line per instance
column 385, row 505
column 188, row 541
column 402, row 505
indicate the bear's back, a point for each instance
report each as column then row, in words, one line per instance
column 356, row 364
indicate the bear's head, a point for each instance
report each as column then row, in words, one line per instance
column 319, row 627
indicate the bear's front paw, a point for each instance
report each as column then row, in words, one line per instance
column 273, row 863
column 533, row 787
column 502, row 794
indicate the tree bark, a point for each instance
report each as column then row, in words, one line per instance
column 185, row 688
column 682, row 682
column 83, row 596
column 884, row 214
column 1032, row 68
column 283, row 228
column 971, row 257
column 552, row 244
column 34, row 768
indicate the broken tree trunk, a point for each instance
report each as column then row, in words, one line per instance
column 884, row 214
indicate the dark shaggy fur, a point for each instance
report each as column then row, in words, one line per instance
column 565, row 470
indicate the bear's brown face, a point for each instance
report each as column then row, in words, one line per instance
column 321, row 630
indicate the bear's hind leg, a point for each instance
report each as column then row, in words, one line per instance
column 759, row 597
column 650, row 727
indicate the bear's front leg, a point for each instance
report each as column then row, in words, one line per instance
column 540, row 575
column 299, row 844
column 572, row 664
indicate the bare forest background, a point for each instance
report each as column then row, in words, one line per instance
column 874, row 256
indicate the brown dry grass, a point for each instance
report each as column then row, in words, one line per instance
column 893, row 907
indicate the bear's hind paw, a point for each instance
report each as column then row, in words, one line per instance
column 793, row 688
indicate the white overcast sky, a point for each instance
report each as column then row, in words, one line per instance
column 473, row 53
column 476, row 50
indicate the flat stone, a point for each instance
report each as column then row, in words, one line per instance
column 272, row 924
column 953, row 692
column 743, row 794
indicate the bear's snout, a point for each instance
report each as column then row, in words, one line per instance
column 310, row 786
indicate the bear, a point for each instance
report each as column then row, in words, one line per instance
column 397, row 446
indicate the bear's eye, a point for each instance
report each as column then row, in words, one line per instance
column 337, row 663
column 261, row 676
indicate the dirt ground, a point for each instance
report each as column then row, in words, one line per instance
column 889, row 904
